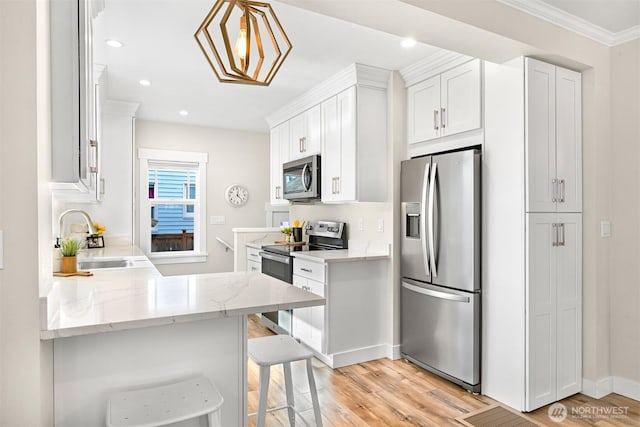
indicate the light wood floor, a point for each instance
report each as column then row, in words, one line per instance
column 396, row 393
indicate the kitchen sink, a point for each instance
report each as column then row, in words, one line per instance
column 113, row 263
column 103, row 263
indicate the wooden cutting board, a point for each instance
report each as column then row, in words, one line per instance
column 77, row 273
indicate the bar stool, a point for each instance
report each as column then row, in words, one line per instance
column 166, row 404
column 274, row 350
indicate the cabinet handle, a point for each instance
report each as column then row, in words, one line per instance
column 304, row 144
column 307, row 270
column 442, row 121
column 337, row 185
column 555, row 234
column 94, row 146
column 561, row 242
column 435, row 120
column 555, row 190
column 561, row 191
column 300, row 145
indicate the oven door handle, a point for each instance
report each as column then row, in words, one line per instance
column 276, row 258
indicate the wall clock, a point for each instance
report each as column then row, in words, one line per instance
column 236, row 195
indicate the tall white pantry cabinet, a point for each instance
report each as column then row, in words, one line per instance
column 532, row 190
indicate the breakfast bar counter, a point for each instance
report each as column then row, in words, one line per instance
column 130, row 328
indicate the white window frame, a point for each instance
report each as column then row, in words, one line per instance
column 181, row 159
column 186, row 190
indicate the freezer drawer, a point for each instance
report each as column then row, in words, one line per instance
column 441, row 329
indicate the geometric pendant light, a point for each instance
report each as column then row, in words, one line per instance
column 243, row 41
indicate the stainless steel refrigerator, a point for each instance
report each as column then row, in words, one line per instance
column 440, row 266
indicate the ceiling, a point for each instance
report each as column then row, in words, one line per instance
column 160, row 47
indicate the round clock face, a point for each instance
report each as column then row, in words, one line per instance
column 237, row 195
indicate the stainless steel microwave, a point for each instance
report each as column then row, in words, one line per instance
column 301, row 179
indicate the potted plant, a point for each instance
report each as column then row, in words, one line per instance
column 69, row 249
column 287, row 233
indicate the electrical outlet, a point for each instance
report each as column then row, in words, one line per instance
column 380, row 225
column 360, row 224
column 217, row 220
column 605, row 229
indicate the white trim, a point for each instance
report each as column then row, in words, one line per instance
column 432, row 65
column 173, row 156
column 159, row 258
column 352, row 357
column 354, row 74
column 604, row 386
column 120, row 108
column 570, row 22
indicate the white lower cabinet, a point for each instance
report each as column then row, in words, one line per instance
column 254, row 260
column 554, row 307
column 308, row 322
column 350, row 327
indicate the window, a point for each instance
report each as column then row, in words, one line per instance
column 173, row 191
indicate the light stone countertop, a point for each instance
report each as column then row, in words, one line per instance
column 357, row 252
column 127, row 298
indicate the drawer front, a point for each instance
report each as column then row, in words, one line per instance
column 310, row 270
column 253, row 254
column 254, row 266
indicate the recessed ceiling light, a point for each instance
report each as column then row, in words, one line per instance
column 114, row 43
column 408, row 43
column 183, row 112
column 144, row 83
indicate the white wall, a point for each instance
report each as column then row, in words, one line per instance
column 235, row 157
column 26, row 391
column 625, row 240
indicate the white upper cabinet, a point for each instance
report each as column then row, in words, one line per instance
column 345, row 120
column 305, row 133
column 553, row 138
column 279, row 154
column 76, row 102
column 446, row 104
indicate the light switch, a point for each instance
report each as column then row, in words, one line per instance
column 1, row 249
column 217, row 220
column 605, row 229
column 360, row 224
column 380, row 225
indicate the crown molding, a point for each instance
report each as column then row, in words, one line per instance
column 354, row 74
column 436, row 63
column 570, row 22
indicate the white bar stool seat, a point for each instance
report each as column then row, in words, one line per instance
column 274, row 350
column 166, row 404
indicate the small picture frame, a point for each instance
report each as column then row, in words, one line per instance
column 95, row 242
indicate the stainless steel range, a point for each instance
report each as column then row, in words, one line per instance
column 277, row 261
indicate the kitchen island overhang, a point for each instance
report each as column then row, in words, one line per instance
column 131, row 328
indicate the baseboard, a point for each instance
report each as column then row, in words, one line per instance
column 359, row 355
column 393, row 352
column 604, row 386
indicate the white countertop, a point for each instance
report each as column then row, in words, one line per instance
column 118, row 299
column 356, row 252
column 256, row 230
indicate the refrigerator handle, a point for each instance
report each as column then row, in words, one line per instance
column 435, row 294
column 432, row 250
column 423, row 219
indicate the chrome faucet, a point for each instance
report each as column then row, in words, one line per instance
column 87, row 218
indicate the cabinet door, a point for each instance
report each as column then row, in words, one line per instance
column 423, row 110
column 540, row 124
column 279, row 155
column 316, row 317
column 569, row 305
column 312, row 140
column 460, row 99
column 331, row 155
column 298, row 134
column 346, row 184
column 541, row 310
column 300, row 323
column 569, row 140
